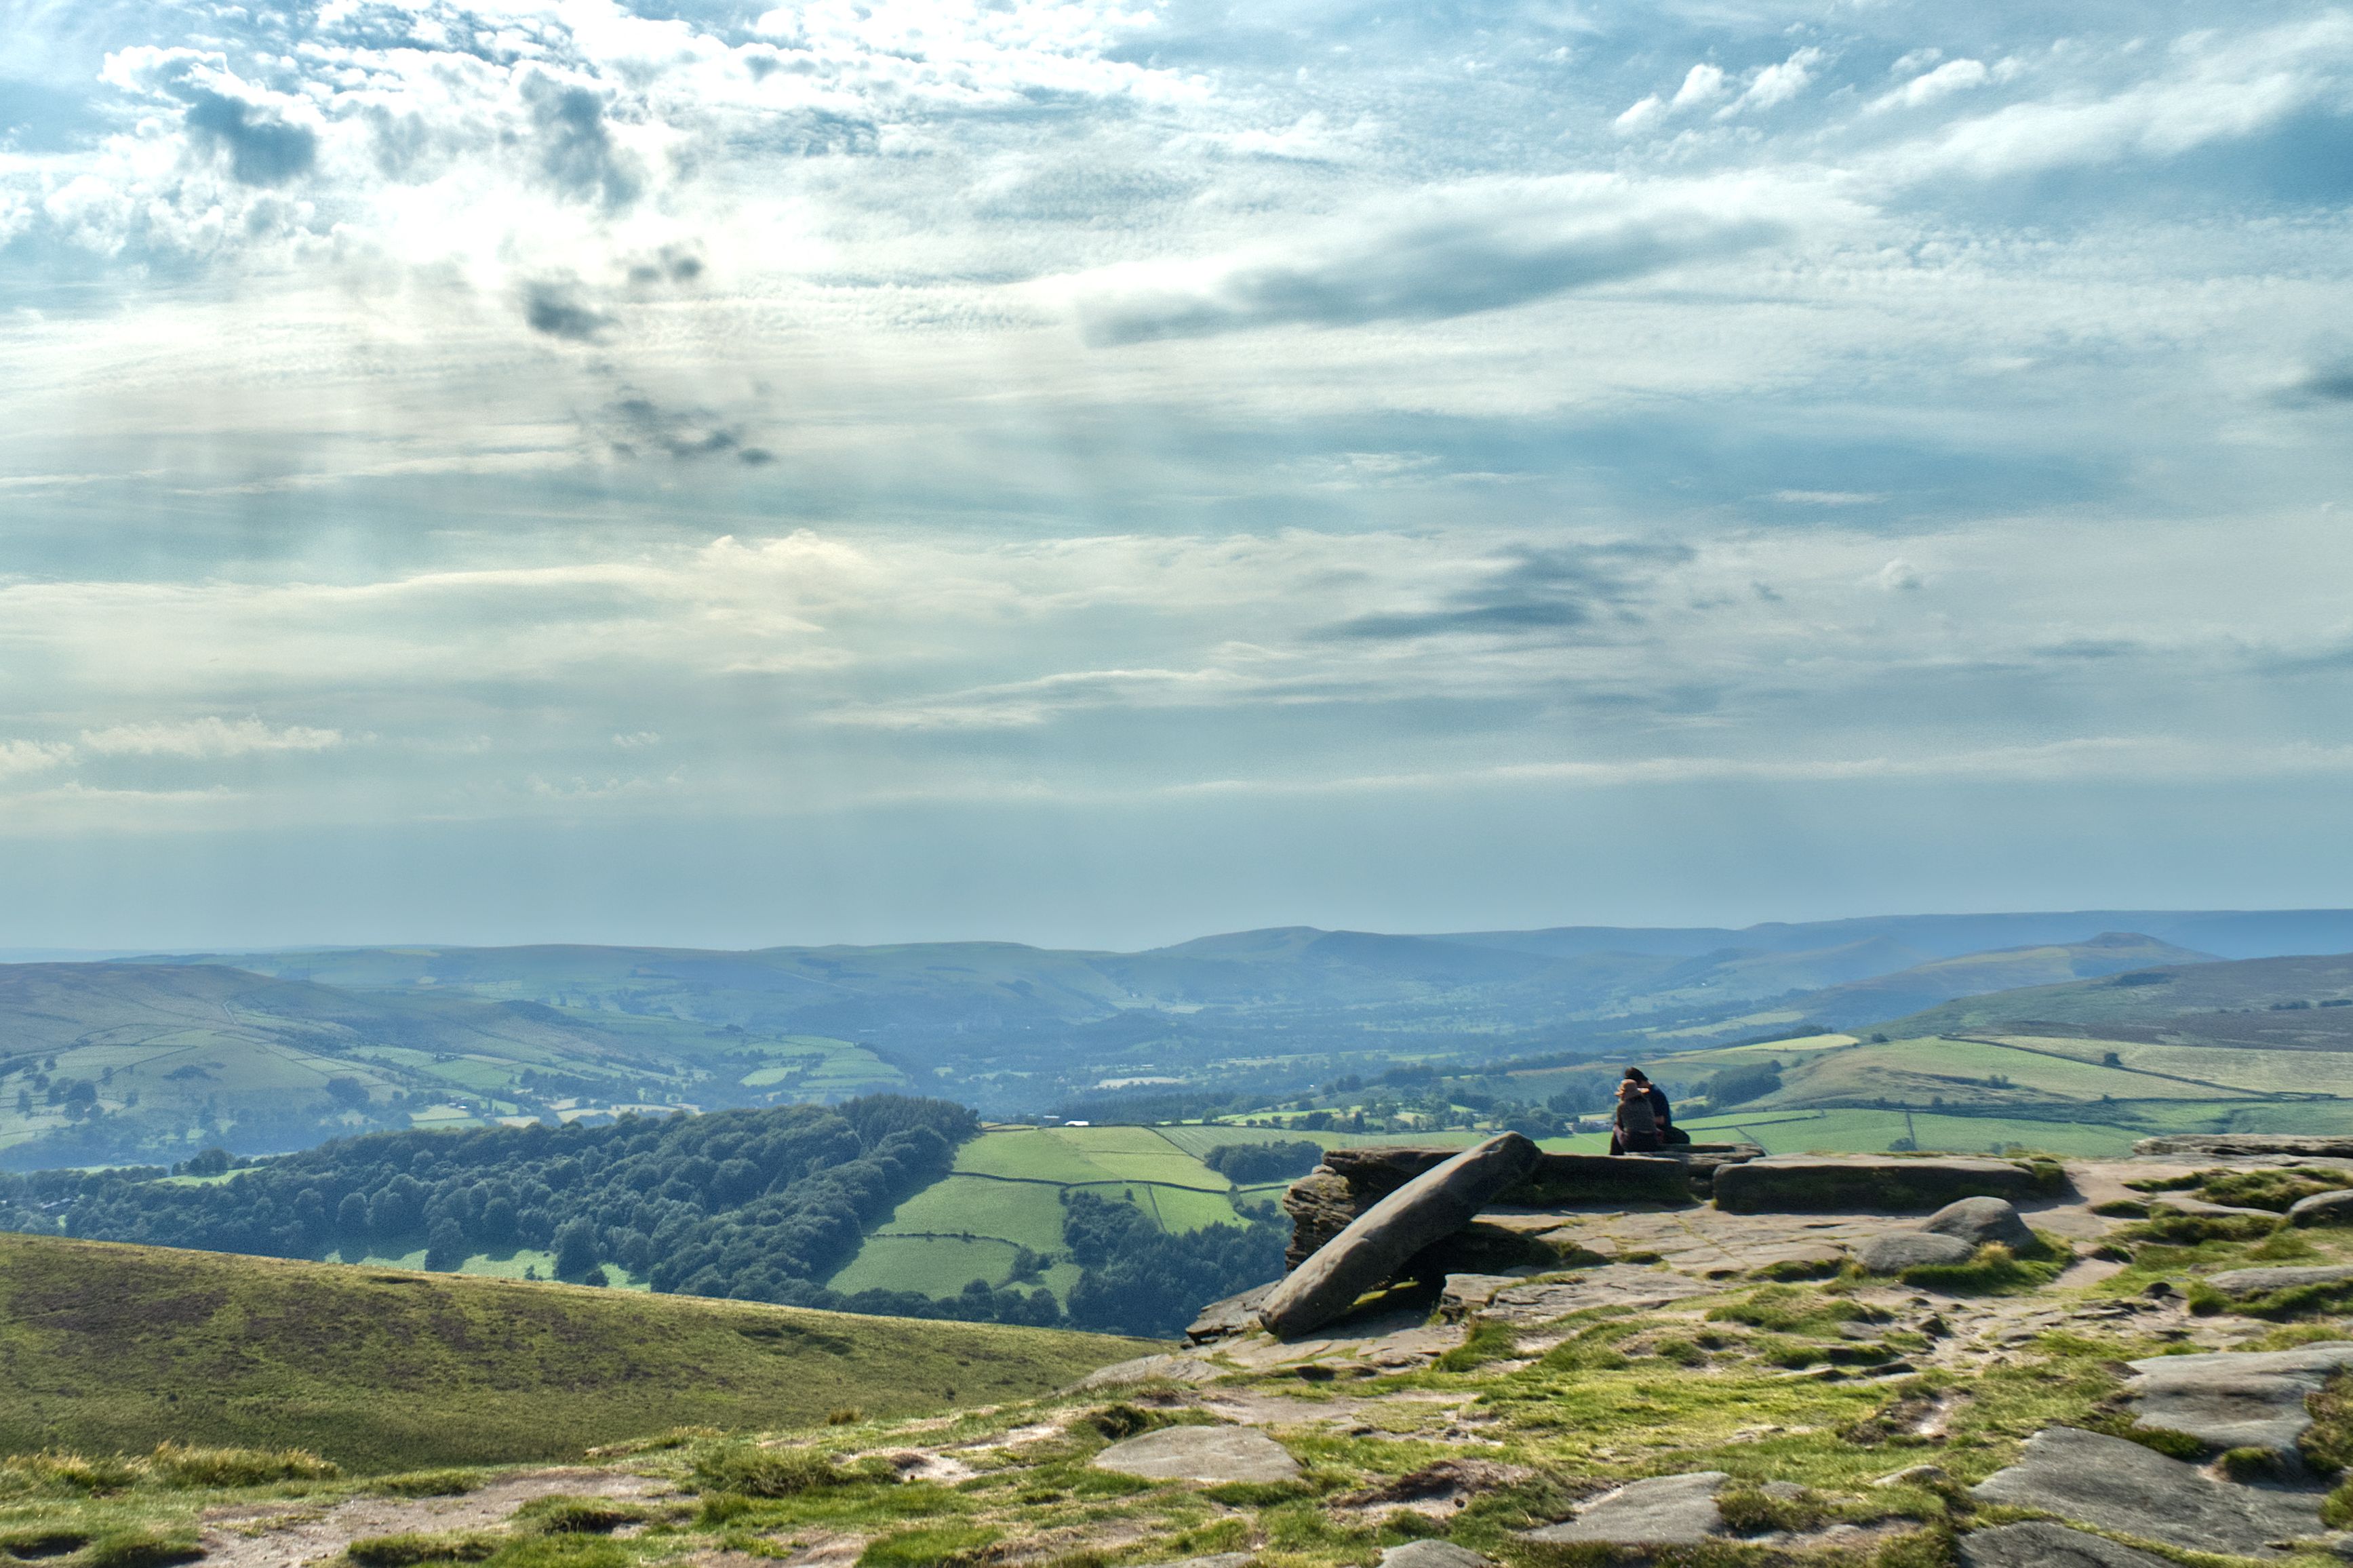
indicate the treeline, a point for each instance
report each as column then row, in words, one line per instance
column 754, row 1205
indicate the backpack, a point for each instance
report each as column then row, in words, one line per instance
column 1636, row 1119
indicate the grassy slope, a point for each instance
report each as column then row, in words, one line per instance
column 105, row 1347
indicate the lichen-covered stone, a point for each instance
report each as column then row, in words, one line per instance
column 2114, row 1484
column 1900, row 1249
column 1980, row 1220
column 1665, row 1510
column 2321, row 1208
column 2242, row 1283
column 1211, row 1454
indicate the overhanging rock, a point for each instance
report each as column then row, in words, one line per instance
column 1431, row 1206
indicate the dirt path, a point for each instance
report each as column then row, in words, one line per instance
column 288, row 1534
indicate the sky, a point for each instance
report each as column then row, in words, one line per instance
column 1100, row 471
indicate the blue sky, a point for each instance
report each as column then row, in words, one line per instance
column 1097, row 472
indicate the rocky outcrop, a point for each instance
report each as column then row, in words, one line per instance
column 1788, row 1184
column 2249, row 1144
column 1349, row 1181
column 2236, row 1399
column 2113, row 1484
column 1378, row 1243
column 2042, row 1544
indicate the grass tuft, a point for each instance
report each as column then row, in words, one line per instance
column 404, row 1550
column 745, row 1469
column 428, row 1483
column 178, row 1464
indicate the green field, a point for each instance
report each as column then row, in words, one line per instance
column 115, row 1347
column 1007, row 1191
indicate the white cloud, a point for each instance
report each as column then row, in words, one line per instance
column 1641, row 114
column 1777, row 84
column 1954, row 76
column 1701, row 84
column 207, row 737
column 1900, row 576
column 18, row 757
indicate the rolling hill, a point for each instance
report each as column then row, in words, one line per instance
column 1011, row 1029
column 111, row 1348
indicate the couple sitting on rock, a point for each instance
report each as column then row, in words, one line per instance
column 1645, row 1121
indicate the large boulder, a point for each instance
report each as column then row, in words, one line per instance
column 1810, row 1183
column 1665, row 1510
column 2244, row 1283
column 1980, row 1220
column 1234, row 1315
column 2236, row 1399
column 1378, row 1243
column 2321, row 1208
column 1201, row 1454
column 2042, row 1544
column 2115, row 1484
column 1892, row 1252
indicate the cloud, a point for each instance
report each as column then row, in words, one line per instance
column 209, row 737
column 2328, row 384
column 1830, row 497
column 641, row 425
column 31, row 756
column 1954, row 76
column 265, row 142
column 1641, row 114
column 1701, row 84
column 1537, row 590
column 576, row 151
column 1900, row 576
column 1777, row 84
column 556, row 306
column 1446, row 253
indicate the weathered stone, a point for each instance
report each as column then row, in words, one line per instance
column 1433, row 1555
column 1150, row 1369
column 1892, row 1251
column 1526, row 1304
column 1666, row 1511
column 1321, row 1205
column 2242, row 1283
column 1234, row 1315
column 2321, row 1208
column 2182, row 1205
column 1201, row 1454
column 2249, row 1144
column 1980, row 1220
column 1811, row 1184
column 1435, row 1204
column 1222, row 1560
column 1437, row 1489
column 2116, row 1484
column 2236, row 1399
column 1466, row 1293
column 2042, row 1544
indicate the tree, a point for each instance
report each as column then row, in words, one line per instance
column 352, row 1217
column 576, row 1249
column 445, row 1246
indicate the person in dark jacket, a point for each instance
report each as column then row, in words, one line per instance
column 1637, row 1131
column 1662, row 1116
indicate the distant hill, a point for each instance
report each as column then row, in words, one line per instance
column 1881, row 997
column 2272, row 1003
column 127, row 1062
column 113, row 1348
column 1010, row 1029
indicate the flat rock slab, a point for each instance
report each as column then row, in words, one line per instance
column 2248, row 1144
column 1523, row 1304
column 1150, row 1369
column 2236, row 1400
column 1665, row 1510
column 2321, row 1208
column 1201, row 1454
column 1433, row 1555
column 1896, row 1250
column 1980, row 1220
column 2045, row 1545
column 2245, row 1282
column 1376, row 1243
column 2118, row 1485
column 1234, row 1315
column 2200, row 1206
column 1815, row 1184
column 1222, row 1560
